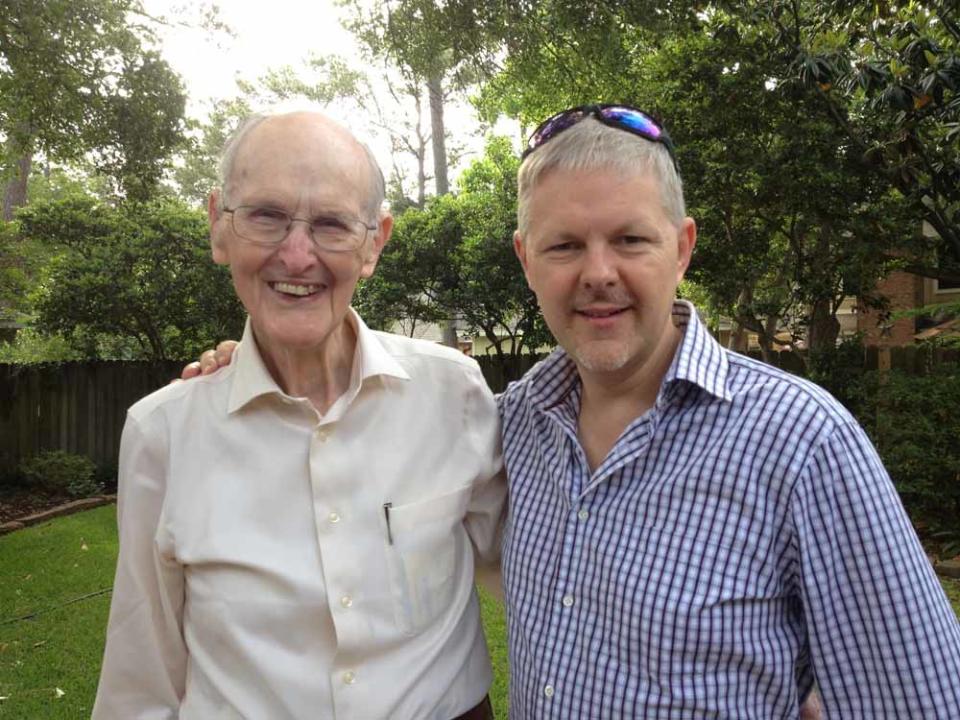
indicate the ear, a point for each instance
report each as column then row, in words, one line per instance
column 380, row 240
column 686, row 241
column 521, row 250
column 218, row 228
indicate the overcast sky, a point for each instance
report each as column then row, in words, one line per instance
column 268, row 34
column 272, row 34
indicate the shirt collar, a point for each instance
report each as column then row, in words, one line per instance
column 699, row 360
column 252, row 379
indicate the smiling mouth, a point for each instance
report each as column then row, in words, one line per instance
column 601, row 312
column 295, row 290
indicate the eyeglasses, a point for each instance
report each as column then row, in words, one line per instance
column 622, row 117
column 268, row 226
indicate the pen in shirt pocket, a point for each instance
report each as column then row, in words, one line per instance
column 386, row 516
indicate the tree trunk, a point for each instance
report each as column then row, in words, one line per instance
column 435, row 90
column 824, row 327
column 766, row 339
column 15, row 193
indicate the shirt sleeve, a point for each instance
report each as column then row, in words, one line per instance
column 487, row 510
column 144, row 663
column 884, row 641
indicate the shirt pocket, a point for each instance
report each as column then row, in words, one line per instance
column 427, row 541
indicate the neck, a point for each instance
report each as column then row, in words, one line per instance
column 321, row 374
column 611, row 401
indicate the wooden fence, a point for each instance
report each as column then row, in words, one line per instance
column 81, row 407
column 77, row 407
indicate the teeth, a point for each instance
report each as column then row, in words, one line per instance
column 291, row 289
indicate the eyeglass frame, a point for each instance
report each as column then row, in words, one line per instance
column 292, row 219
column 595, row 111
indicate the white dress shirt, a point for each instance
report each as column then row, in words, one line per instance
column 259, row 576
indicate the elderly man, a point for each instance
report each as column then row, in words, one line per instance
column 294, row 530
column 691, row 534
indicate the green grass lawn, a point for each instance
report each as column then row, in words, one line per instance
column 49, row 663
column 57, row 573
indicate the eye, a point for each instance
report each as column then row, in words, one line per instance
column 633, row 243
column 328, row 223
column 560, row 248
column 267, row 216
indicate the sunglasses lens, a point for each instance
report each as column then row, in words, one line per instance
column 634, row 120
column 552, row 126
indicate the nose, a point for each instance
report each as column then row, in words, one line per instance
column 297, row 251
column 599, row 266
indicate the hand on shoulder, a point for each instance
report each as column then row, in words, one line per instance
column 210, row 361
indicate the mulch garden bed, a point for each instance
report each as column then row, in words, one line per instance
column 18, row 503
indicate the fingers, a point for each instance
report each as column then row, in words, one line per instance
column 190, row 371
column 208, row 362
column 224, row 352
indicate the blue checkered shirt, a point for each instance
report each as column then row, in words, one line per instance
column 740, row 541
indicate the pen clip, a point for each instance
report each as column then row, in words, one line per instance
column 386, row 515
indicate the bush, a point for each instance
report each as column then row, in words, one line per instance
column 841, row 371
column 59, row 470
column 915, row 423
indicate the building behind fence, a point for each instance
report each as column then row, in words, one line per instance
column 80, row 407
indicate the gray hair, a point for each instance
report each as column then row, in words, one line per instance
column 378, row 188
column 591, row 145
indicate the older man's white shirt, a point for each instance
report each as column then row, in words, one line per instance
column 258, row 576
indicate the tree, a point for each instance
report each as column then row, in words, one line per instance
column 790, row 220
column 884, row 74
column 848, row 109
column 139, row 272
column 491, row 295
column 324, row 79
column 409, row 32
column 887, row 75
column 455, row 257
column 74, row 77
column 196, row 173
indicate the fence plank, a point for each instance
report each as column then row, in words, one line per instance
column 77, row 407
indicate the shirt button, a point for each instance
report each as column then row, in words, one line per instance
column 322, row 434
column 346, row 601
column 349, row 678
column 583, row 514
column 334, row 517
column 548, row 691
column 567, row 601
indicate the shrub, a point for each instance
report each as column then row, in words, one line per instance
column 841, row 371
column 915, row 423
column 59, row 470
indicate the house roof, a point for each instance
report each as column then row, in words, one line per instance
column 946, row 329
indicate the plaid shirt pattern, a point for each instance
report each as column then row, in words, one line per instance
column 740, row 540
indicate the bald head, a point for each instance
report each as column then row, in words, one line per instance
column 319, row 142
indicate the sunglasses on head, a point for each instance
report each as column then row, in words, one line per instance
column 622, row 117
